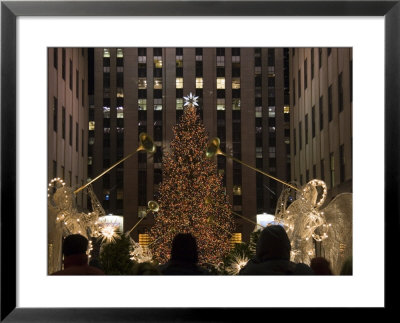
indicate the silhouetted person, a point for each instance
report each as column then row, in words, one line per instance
column 321, row 266
column 75, row 257
column 273, row 255
column 347, row 267
column 145, row 268
column 184, row 257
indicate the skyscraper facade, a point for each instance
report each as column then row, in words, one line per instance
column 67, row 133
column 321, row 117
column 243, row 99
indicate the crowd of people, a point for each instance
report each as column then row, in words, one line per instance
column 272, row 258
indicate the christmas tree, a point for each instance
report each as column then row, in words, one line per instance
column 191, row 195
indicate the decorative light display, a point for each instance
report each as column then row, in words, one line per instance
column 305, row 222
column 139, row 253
column 190, row 100
column 188, row 178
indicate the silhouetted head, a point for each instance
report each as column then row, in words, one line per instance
column 184, row 248
column 320, row 266
column 75, row 244
column 273, row 243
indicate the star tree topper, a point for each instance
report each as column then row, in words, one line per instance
column 190, row 100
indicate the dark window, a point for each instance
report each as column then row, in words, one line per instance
column 157, row 72
column 257, row 81
column 157, row 94
column 77, row 136
column 179, row 72
column 120, row 79
column 142, row 51
column 257, row 61
column 157, row 52
column 306, row 128
column 199, row 51
column 54, row 169
column 305, row 74
column 340, row 90
column 142, row 187
column 299, row 83
column 342, row 164
column 313, row 122
column 199, row 68
column 157, row 176
column 332, row 168
column 220, row 71
column 83, row 141
column 321, row 113
column 351, row 80
column 320, row 57
column 322, row 169
column 63, row 63
column 142, row 94
column 70, row 74
column 236, row 93
column 158, row 155
column 55, row 114
column 55, row 57
column 294, row 92
column 70, row 130
column 220, row 94
column 142, row 71
column 329, row 50
column 179, row 93
column 300, row 136
column 106, row 80
column 271, row 82
column 271, row 57
column 220, row 51
column 77, row 83
column 312, row 63
column 330, row 105
column 294, row 141
column 63, row 123
column 235, row 51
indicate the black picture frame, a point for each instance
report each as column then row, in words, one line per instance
column 10, row 10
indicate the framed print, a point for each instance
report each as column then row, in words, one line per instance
column 30, row 30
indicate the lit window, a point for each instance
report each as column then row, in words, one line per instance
column 221, row 172
column 91, row 125
column 258, row 112
column 286, row 109
column 106, row 112
column 179, row 61
column 158, row 83
column 220, row 104
column 157, row 104
column 236, row 83
column 120, row 130
column 220, row 60
column 106, row 69
column 106, row 52
column 199, row 82
column 271, row 112
column 220, row 83
column 272, row 152
column 272, row 129
column 142, row 104
column 237, row 190
column 142, row 59
column 120, row 52
column 179, row 104
column 90, row 160
column 91, row 140
column 142, row 83
column 120, row 112
column 157, row 61
column 258, row 152
column 257, row 70
column 120, row 194
column 179, row 83
column 120, row 92
column 235, row 59
column 235, row 104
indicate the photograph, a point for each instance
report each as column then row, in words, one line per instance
column 200, row 161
